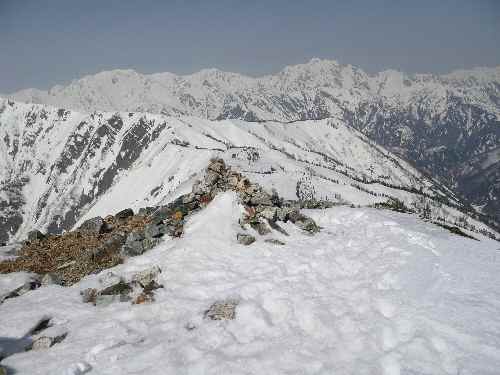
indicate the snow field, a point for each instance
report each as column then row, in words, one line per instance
column 375, row 292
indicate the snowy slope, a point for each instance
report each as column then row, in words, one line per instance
column 375, row 292
column 439, row 122
column 59, row 166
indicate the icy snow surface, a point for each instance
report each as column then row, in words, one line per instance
column 375, row 292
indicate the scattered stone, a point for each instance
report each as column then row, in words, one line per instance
column 51, row 279
column 96, row 225
column 245, row 239
column 222, row 310
column 274, row 241
column 35, row 235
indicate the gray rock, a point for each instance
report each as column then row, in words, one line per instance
column 96, row 225
column 51, row 279
column 89, row 295
column 269, row 213
column 222, row 310
column 124, row 214
column 49, row 337
column 35, row 235
column 307, row 224
column 133, row 245
column 154, row 230
column 146, row 276
column 261, row 198
column 245, row 239
column 149, row 243
column 260, row 227
column 217, row 166
column 274, row 241
column 211, row 178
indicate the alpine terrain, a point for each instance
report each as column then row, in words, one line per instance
column 448, row 126
column 318, row 221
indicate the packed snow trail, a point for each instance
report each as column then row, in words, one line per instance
column 375, row 292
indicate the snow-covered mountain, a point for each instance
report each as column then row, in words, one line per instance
column 447, row 125
column 59, row 166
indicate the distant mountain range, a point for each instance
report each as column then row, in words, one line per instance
column 448, row 126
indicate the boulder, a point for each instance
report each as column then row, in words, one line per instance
column 35, row 235
column 133, row 245
column 245, row 239
column 124, row 214
column 96, row 225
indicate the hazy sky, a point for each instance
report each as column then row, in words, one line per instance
column 45, row 42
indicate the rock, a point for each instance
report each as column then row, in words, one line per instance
column 307, row 224
column 149, row 243
column 261, row 198
column 222, row 310
column 274, row 225
column 217, row 165
column 146, row 276
column 260, row 227
column 89, row 295
column 245, row 239
column 133, row 245
column 35, row 235
column 49, row 337
column 51, row 279
column 269, row 213
column 124, row 214
column 274, row 241
column 146, row 211
column 120, row 288
column 154, row 230
column 96, row 225
column 282, row 213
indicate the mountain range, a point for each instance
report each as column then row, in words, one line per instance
column 448, row 126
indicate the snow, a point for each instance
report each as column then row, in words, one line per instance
column 282, row 97
column 375, row 292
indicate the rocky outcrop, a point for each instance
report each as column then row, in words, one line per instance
column 100, row 243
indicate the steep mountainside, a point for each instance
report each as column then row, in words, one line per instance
column 59, row 166
column 446, row 125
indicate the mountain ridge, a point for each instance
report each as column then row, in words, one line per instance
column 446, row 125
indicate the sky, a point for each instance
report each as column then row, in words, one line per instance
column 48, row 42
